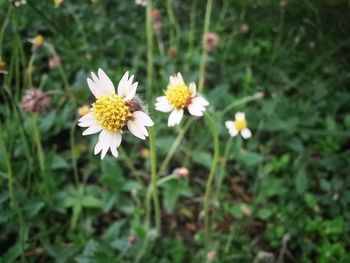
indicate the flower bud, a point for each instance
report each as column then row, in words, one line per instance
column 211, row 40
column 211, row 255
column 54, row 62
column 35, row 100
column 182, row 172
column 83, row 110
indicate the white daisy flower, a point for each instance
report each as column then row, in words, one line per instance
column 112, row 113
column 240, row 125
column 180, row 98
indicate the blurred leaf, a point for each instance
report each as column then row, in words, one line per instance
column 92, row 202
column 301, row 180
column 203, row 158
column 11, row 254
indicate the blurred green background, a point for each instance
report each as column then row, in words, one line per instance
column 285, row 195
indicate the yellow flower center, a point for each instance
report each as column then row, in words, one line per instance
column 241, row 124
column 38, row 40
column 111, row 112
column 179, row 96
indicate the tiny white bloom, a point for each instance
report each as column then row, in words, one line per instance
column 180, row 98
column 141, row 2
column 112, row 113
column 240, row 125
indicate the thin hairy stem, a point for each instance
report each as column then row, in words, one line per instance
column 214, row 133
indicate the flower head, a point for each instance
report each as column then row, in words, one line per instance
column 211, row 40
column 38, row 41
column 240, row 125
column 57, row 3
column 18, row 3
column 180, row 98
column 211, row 255
column 54, row 62
column 141, row 2
column 112, row 113
column 156, row 19
column 182, row 172
column 35, row 100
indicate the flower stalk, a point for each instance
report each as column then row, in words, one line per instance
column 204, row 49
column 152, row 139
column 208, row 186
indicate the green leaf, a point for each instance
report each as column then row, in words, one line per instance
column 301, row 181
column 203, row 158
column 92, row 202
column 11, row 254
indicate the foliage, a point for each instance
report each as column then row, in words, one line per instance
column 286, row 190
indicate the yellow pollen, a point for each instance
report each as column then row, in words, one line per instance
column 111, row 112
column 179, row 96
column 241, row 124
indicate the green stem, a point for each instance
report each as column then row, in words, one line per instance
column 149, row 191
column 41, row 156
column 30, row 69
column 152, row 139
column 214, row 132
column 191, row 34
column 4, row 25
column 174, row 146
column 37, row 139
column 154, row 178
column 149, row 36
column 242, row 101
column 73, row 156
column 173, row 35
column 204, row 49
column 222, row 171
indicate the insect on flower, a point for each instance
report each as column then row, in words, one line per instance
column 112, row 113
column 180, row 98
column 240, row 125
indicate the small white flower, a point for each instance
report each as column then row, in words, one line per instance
column 240, row 125
column 141, row 2
column 179, row 98
column 112, row 113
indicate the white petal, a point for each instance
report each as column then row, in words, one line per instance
column 163, row 107
column 122, row 84
column 240, row 116
column 172, row 80
column 175, row 117
column 98, row 148
column 87, row 117
column 93, row 88
column 135, row 130
column 230, row 125
column 200, row 100
column 116, row 140
column 246, row 133
column 108, row 84
column 131, row 91
column 162, row 99
column 180, row 80
column 99, row 86
column 87, row 123
column 92, row 130
column 105, row 139
column 195, row 109
column 193, row 89
column 143, row 118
